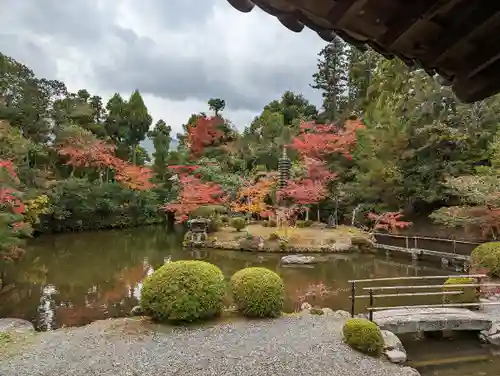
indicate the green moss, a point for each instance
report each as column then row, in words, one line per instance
column 258, row 292
column 184, row 291
column 363, row 335
column 316, row 311
column 469, row 294
column 11, row 343
column 5, row 339
column 487, row 256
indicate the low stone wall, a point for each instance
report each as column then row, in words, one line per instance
column 274, row 248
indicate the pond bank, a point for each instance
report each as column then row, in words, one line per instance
column 256, row 237
column 290, row 345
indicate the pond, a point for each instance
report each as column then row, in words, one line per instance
column 74, row 279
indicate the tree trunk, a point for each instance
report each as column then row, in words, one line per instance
column 134, row 154
column 318, row 214
column 307, row 213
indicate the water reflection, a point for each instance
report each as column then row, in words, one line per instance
column 74, row 279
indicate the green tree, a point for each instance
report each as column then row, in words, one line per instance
column 216, row 105
column 160, row 135
column 331, row 78
column 138, row 120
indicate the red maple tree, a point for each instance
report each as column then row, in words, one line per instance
column 311, row 189
column 389, row 221
column 85, row 151
column 204, row 132
column 305, row 191
column 193, row 194
column 318, row 171
column 9, row 196
column 183, row 169
column 320, row 140
column 12, row 209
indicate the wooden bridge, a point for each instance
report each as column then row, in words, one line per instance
column 427, row 248
column 423, row 317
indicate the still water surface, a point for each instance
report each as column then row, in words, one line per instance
column 74, row 279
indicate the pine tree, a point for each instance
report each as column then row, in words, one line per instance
column 139, row 122
column 331, row 78
column 161, row 141
column 360, row 71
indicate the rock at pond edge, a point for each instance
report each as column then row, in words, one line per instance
column 16, row 325
column 393, row 347
column 137, row 311
column 298, row 260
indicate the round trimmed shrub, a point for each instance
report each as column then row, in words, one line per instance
column 258, row 292
column 238, row 223
column 363, row 335
column 469, row 294
column 487, row 256
column 184, row 291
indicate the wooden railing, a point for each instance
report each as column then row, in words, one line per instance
column 371, row 289
column 460, row 247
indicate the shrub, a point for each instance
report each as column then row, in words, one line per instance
column 209, row 211
column 258, row 292
column 308, row 223
column 487, row 255
column 214, row 225
column 274, row 236
column 184, row 291
column 272, row 223
column 469, row 294
column 283, row 244
column 363, row 335
column 300, row 224
column 238, row 223
column 224, row 218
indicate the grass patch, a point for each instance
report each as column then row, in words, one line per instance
column 298, row 236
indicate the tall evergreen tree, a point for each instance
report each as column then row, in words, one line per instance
column 331, row 78
column 360, row 70
column 139, row 121
column 160, row 135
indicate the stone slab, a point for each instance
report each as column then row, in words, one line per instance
column 414, row 320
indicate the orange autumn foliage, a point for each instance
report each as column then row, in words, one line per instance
column 84, row 151
column 251, row 197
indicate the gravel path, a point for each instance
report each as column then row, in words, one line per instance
column 291, row 345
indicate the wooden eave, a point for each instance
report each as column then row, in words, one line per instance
column 457, row 39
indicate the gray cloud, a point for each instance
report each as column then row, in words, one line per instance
column 29, row 53
column 143, row 65
column 179, row 14
column 120, row 58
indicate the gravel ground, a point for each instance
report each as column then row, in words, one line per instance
column 291, row 345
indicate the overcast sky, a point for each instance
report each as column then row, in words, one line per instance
column 178, row 53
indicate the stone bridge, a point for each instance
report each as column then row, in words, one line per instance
column 413, row 320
